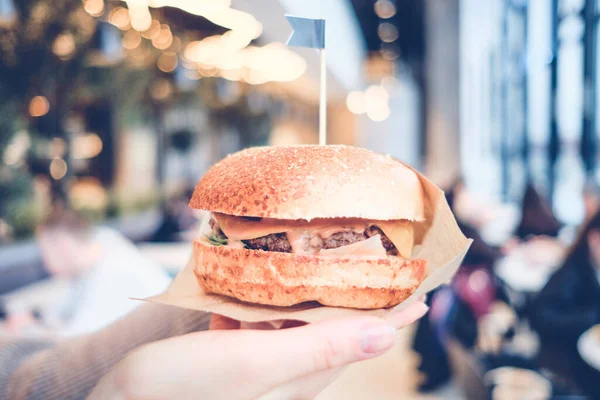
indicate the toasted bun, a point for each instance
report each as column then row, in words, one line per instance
column 285, row 279
column 307, row 182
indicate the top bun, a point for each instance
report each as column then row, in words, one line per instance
column 307, row 182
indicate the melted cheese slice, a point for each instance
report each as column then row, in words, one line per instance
column 400, row 232
column 244, row 228
column 370, row 247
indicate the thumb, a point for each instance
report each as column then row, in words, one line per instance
column 262, row 360
column 297, row 352
column 301, row 351
column 204, row 364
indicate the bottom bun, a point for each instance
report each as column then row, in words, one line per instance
column 286, row 279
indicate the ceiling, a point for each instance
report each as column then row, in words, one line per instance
column 352, row 34
column 409, row 20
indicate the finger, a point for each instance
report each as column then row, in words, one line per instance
column 407, row 316
column 257, row 360
column 219, row 322
column 292, row 353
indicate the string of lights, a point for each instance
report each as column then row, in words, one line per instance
column 374, row 100
column 230, row 55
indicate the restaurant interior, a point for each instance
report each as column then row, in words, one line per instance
column 111, row 111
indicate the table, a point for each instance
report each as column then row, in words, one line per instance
column 36, row 295
column 529, row 267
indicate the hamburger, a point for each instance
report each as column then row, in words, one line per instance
column 292, row 224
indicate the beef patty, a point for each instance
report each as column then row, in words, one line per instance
column 279, row 241
column 273, row 242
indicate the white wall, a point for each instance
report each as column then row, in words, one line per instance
column 442, row 74
column 480, row 82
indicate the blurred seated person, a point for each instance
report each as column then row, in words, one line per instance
column 473, row 292
column 456, row 309
column 569, row 304
column 105, row 270
column 537, row 218
column 177, row 217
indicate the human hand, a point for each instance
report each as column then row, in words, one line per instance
column 231, row 363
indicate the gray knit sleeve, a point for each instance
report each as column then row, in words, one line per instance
column 70, row 369
column 13, row 353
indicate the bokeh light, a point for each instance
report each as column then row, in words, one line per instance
column 385, row 9
column 378, row 114
column 139, row 15
column 119, row 17
column 131, row 39
column 94, row 7
column 39, row 106
column 153, row 31
column 376, row 97
column 64, row 46
column 167, row 62
column 387, row 32
column 164, row 39
column 86, row 146
column 58, row 168
column 355, row 101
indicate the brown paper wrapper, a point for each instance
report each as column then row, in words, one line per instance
column 442, row 244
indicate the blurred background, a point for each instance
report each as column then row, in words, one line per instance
column 110, row 112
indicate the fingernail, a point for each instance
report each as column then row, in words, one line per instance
column 421, row 309
column 377, row 338
column 406, row 317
